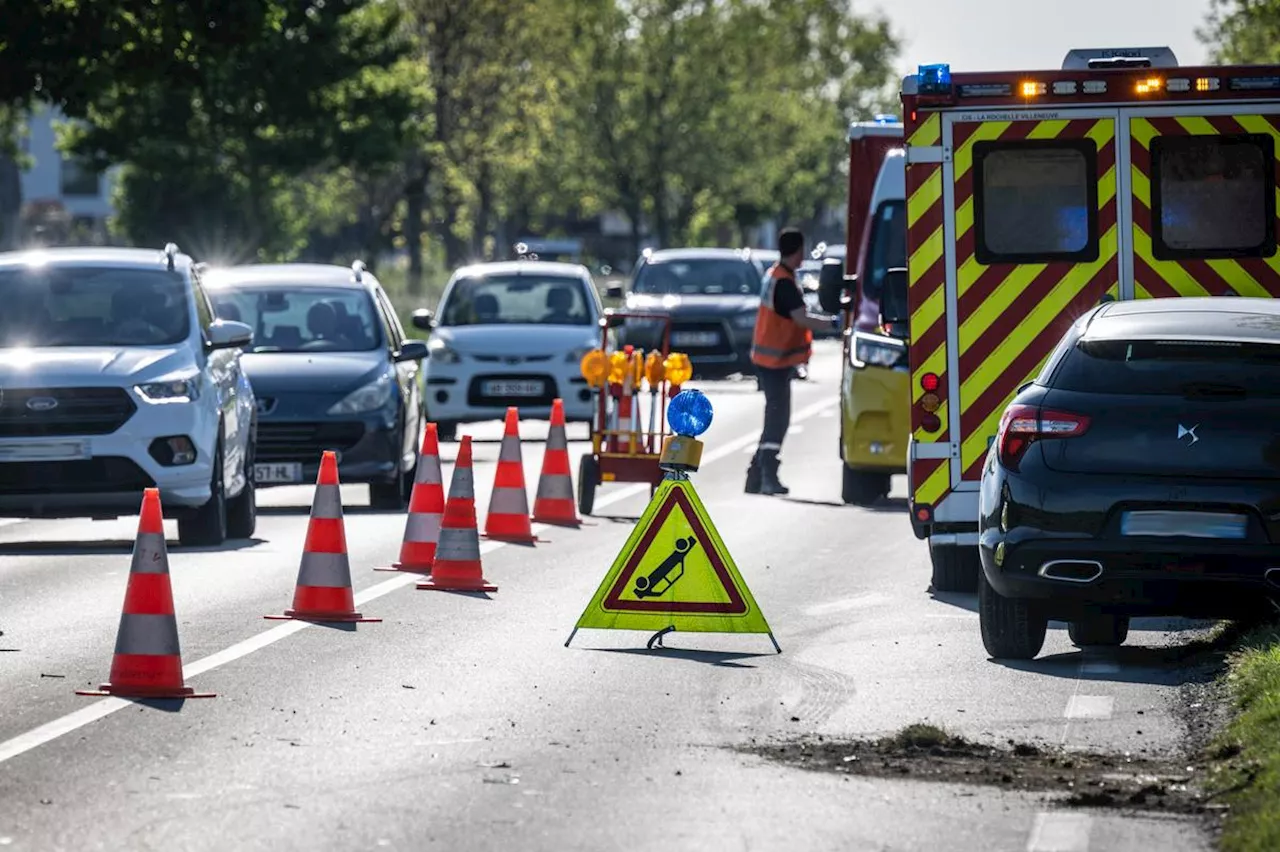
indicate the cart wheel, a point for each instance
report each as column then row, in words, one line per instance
column 588, row 479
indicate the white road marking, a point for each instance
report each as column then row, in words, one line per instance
column 1060, row 832
column 865, row 599
column 1090, row 707
column 827, row 413
column 64, row 725
column 794, row 430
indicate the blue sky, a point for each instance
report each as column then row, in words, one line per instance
column 991, row 35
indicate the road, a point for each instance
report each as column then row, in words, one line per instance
column 461, row 722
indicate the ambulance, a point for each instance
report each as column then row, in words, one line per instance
column 1033, row 196
column 874, row 400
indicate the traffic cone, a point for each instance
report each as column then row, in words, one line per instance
column 457, row 565
column 554, row 502
column 148, row 661
column 508, row 518
column 426, row 505
column 324, row 578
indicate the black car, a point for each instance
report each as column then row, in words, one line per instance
column 1139, row 474
column 712, row 296
column 332, row 370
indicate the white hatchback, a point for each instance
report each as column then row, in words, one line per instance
column 115, row 377
column 510, row 333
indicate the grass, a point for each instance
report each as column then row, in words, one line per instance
column 920, row 735
column 1247, row 751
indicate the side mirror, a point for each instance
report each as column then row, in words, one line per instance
column 832, row 286
column 893, row 298
column 614, row 291
column 228, row 334
column 422, row 319
column 411, row 350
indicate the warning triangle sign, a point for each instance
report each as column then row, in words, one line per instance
column 674, row 572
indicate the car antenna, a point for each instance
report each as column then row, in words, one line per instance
column 358, row 269
column 171, row 254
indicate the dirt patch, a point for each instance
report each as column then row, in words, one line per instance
column 927, row 753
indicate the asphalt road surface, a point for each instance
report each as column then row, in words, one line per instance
column 461, row 722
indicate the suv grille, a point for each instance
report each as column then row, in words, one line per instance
column 40, row 412
column 723, row 344
column 98, row 475
column 304, row 442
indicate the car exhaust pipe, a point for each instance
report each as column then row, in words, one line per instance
column 1272, row 577
column 1072, row 570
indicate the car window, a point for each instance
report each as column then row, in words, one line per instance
column 390, row 325
column 1173, row 367
column 93, row 306
column 204, row 311
column 698, row 276
column 887, row 248
column 392, row 317
column 516, row 299
column 294, row 318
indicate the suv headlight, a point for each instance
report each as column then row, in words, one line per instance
column 745, row 320
column 178, row 389
column 870, row 350
column 370, row 397
column 575, row 356
column 441, row 353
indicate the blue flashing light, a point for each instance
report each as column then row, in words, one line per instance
column 886, row 119
column 934, row 79
column 689, row 413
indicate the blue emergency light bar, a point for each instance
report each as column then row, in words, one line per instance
column 934, row 79
column 885, row 119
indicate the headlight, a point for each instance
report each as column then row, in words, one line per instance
column 371, row 397
column 186, row 389
column 869, row 350
column 745, row 320
column 441, row 353
column 575, row 356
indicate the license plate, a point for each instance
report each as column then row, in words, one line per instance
column 512, row 387
column 50, row 451
column 278, row 472
column 694, row 338
column 1229, row 525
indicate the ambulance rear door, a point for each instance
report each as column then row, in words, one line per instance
column 1033, row 198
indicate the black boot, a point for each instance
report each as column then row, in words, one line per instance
column 753, row 475
column 769, row 482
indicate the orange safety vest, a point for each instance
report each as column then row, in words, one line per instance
column 779, row 341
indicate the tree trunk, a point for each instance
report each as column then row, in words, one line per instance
column 484, row 212
column 10, row 203
column 414, row 198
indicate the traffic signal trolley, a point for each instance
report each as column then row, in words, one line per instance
column 622, row 448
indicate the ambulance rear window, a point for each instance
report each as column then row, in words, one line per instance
column 1035, row 201
column 1212, row 196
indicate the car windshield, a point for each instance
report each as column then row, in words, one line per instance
column 528, row 299
column 705, row 277
column 1170, row 367
column 297, row 318
column 92, row 306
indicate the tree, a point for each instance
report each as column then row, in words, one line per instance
column 1243, row 32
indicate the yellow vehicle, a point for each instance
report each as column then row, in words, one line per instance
column 875, row 380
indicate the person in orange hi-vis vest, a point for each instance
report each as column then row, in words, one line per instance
column 782, row 342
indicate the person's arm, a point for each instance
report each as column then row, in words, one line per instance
column 790, row 303
column 814, row 322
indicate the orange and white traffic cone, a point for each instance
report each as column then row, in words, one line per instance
column 148, row 660
column 508, row 518
column 554, row 502
column 426, row 507
column 457, row 565
column 323, row 591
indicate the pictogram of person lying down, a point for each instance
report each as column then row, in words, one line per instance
column 660, row 579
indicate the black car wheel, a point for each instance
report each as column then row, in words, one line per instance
column 860, row 488
column 1099, row 629
column 207, row 526
column 447, row 430
column 955, row 569
column 392, row 496
column 242, row 510
column 1012, row 628
column 588, row 478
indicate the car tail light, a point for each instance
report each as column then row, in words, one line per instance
column 1023, row 425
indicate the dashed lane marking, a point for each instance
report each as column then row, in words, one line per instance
column 1060, row 832
column 1090, row 707
column 866, row 599
column 64, row 725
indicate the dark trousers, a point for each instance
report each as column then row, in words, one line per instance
column 776, row 384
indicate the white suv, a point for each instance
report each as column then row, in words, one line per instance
column 115, row 377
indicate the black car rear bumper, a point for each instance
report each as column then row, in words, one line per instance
column 367, row 450
column 1189, row 578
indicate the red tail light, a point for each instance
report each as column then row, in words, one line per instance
column 1023, row 425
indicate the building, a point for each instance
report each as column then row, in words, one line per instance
column 63, row 202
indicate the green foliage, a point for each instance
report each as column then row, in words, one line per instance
column 1243, row 32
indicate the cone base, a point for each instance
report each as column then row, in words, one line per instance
column 334, row 617
column 557, row 521
column 459, row 585
column 405, row 569
column 117, row 691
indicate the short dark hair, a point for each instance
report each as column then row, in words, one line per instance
column 790, row 241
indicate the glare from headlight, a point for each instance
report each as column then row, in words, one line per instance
column 174, row 390
column 875, row 351
column 371, row 397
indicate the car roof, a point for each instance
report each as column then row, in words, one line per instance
column 517, row 267
column 308, row 274
column 90, row 256
column 697, row 254
column 1237, row 319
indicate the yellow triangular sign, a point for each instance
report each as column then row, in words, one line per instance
column 674, row 573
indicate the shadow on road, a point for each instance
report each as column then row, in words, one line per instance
column 722, row 659
column 93, row 548
column 618, row 519
column 1168, row 665
column 283, row 511
column 961, row 600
